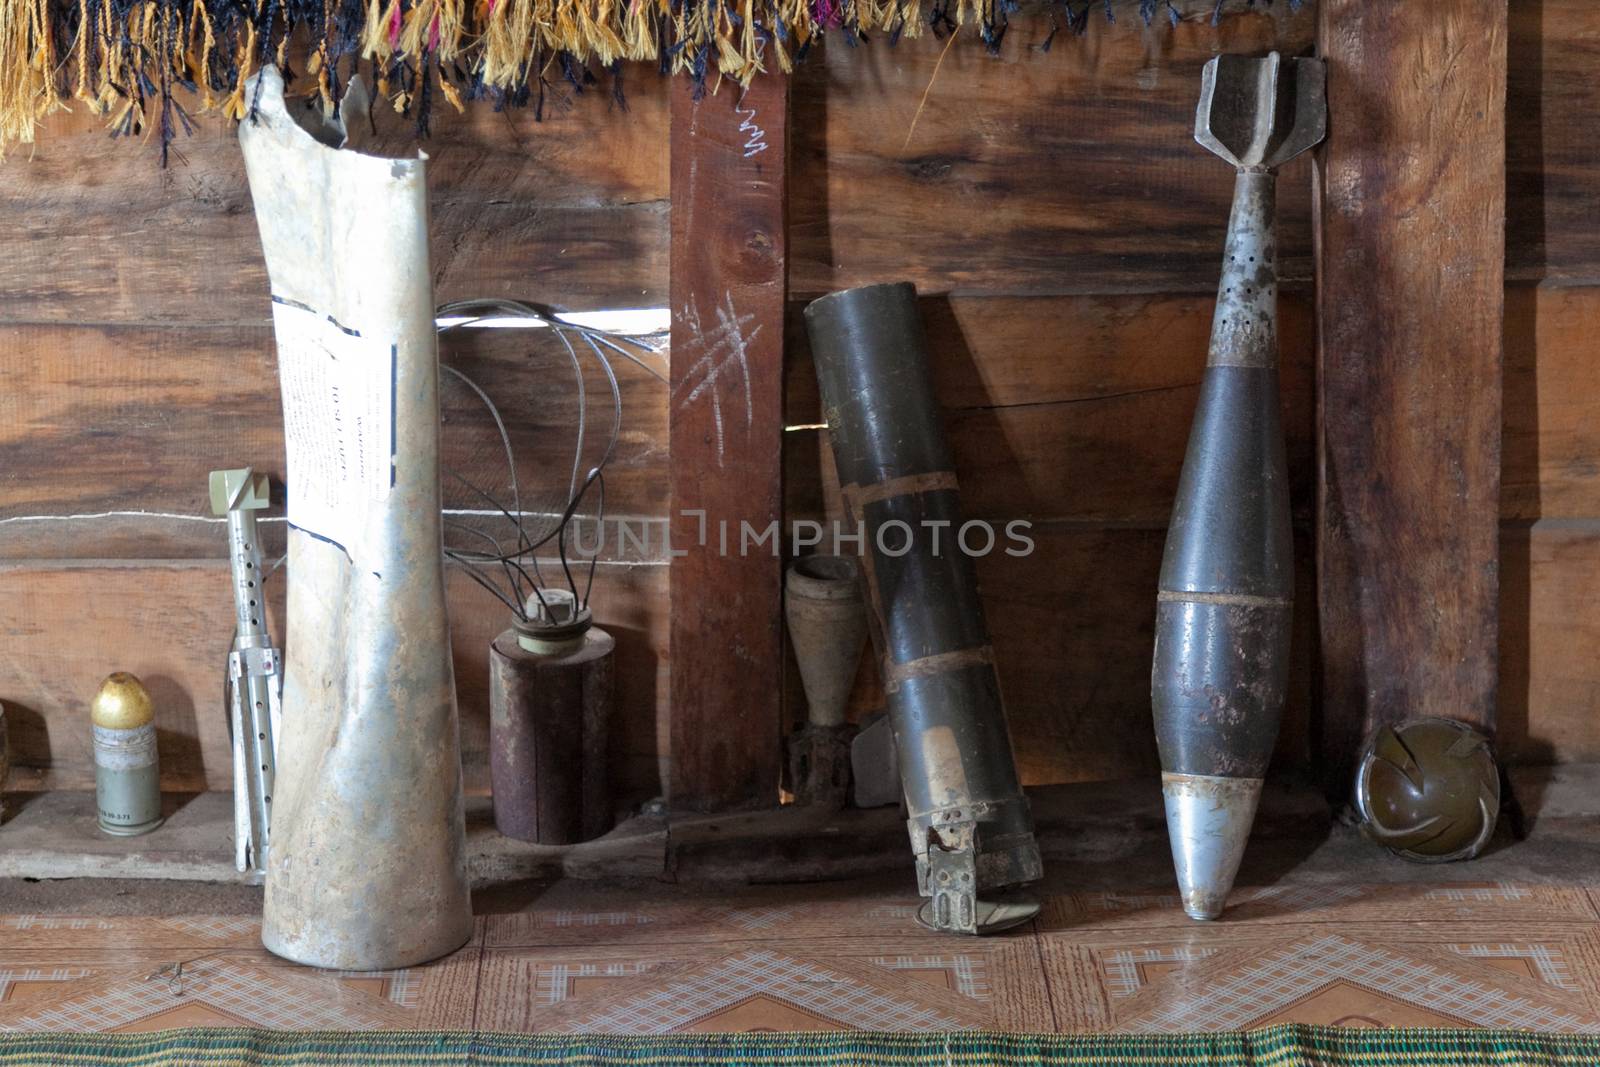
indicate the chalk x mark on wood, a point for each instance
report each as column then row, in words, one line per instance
column 723, row 348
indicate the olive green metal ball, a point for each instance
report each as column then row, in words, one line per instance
column 1428, row 790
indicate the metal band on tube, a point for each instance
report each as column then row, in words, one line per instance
column 970, row 828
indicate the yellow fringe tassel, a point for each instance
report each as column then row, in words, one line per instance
column 52, row 50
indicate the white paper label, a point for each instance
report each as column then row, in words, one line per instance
column 338, row 422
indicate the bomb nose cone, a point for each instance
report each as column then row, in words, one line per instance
column 1208, row 822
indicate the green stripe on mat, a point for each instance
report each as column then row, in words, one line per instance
column 1277, row 1046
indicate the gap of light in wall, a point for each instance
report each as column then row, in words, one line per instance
column 633, row 322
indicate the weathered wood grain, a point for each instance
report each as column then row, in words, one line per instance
column 1072, row 626
column 1006, row 186
column 1071, row 621
column 729, row 276
column 1552, row 141
column 1068, row 171
column 1549, row 632
column 570, row 212
column 96, row 420
column 1045, row 357
column 129, row 419
column 1069, row 408
column 1072, row 629
column 990, row 351
column 65, row 626
column 1411, row 212
column 1551, row 453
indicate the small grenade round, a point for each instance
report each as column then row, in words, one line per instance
column 1428, row 790
column 127, row 775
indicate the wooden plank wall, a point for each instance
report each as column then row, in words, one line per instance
column 729, row 281
column 138, row 356
column 1410, row 290
column 1052, row 209
column 1550, row 477
column 1066, row 234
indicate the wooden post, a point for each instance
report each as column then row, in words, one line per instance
column 729, row 285
column 1410, row 229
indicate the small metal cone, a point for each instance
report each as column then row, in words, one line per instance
column 1208, row 835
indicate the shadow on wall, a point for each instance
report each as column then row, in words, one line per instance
column 28, row 739
column 178, row 732
column 1520, row 443
column 1525, row 147
column 636, row 740
column 1520, row 480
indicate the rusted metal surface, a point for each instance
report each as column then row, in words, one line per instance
column 549, row 719
column 368, row 866
column 1428, row 790
column 898, row 674
column 1223, row 609
column 858, row 496
column 970, row 828
column 820, row 766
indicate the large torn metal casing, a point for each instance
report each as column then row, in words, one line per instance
column 970, row 827
column 367, row 868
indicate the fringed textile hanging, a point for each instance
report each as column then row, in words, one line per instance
column 127, row 58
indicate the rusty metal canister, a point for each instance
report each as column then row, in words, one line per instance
column 971, row 831
column 550, row 700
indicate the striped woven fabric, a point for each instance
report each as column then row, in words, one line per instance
column 1278, row 1046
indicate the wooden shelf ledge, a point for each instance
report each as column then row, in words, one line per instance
column 1081, row 828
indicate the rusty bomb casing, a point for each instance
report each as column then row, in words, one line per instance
column 1223, row 610
column 971, row 831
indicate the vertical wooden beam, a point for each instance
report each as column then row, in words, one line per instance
column 729, row 283
column 1410, row 238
